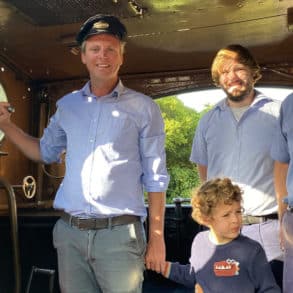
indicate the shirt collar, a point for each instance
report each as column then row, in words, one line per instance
column 115, row 94
column 259, row 99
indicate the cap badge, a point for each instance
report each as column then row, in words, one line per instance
column 101, row 25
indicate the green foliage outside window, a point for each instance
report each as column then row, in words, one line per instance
column 180, row 124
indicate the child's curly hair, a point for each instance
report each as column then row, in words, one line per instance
column 210, row 194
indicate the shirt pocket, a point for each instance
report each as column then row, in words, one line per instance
column 116, row 126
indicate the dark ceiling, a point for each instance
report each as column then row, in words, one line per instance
column 37, row 36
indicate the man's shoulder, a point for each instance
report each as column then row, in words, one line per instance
column 269, row 101
column 272, row 107
column 263, row 104
column 138, row 102
column 131, row 93
column 69, row 97
column 210, row 114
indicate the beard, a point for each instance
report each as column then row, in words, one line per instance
column 239, row 95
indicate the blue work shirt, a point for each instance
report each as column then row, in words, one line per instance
column 115, row 146
column 282, row 149
column 240, row 150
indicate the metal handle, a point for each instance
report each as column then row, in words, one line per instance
column 35, row 270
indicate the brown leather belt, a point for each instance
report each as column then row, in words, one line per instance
column 98, row 223
column 249, row 220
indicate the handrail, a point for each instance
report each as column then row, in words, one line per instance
column 178, row 201
column 12, row 209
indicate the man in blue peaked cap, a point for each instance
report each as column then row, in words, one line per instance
column 114, row 141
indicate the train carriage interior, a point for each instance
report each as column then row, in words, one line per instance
column 170, row 47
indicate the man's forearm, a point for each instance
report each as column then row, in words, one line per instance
column 28, row 145
column 280, row 176
column 202, row 171
column 157, row 202
column 156, row 251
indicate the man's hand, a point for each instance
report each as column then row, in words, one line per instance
column 155, row 254
column 5, row 113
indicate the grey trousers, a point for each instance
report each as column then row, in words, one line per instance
column 100, row 261
column 267, row 234
column 287, row 225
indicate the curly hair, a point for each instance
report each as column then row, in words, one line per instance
column 239, row 53
column 210, row 194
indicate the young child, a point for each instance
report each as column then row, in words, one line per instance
column 222, row 260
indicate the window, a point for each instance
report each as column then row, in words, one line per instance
column 198, row 100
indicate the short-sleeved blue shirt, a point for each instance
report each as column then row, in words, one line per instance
column 241, row 150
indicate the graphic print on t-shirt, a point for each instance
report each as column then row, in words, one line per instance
column 226, row 268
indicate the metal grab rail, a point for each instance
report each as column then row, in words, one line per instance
column 35, row 270
column 178, row 201
column 12, row 209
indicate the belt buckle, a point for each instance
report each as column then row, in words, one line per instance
column 85, row 223
column 251, row 220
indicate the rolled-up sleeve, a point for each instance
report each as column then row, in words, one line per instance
column 279, row 149
column 53, row 141
column 152, row 150
column 199, row 146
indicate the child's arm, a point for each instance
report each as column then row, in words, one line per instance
column 182, row 274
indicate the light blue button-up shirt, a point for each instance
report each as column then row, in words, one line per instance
column 241, row 150
column 115, row 146
column 282, row 149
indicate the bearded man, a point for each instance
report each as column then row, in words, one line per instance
column 234, row 140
